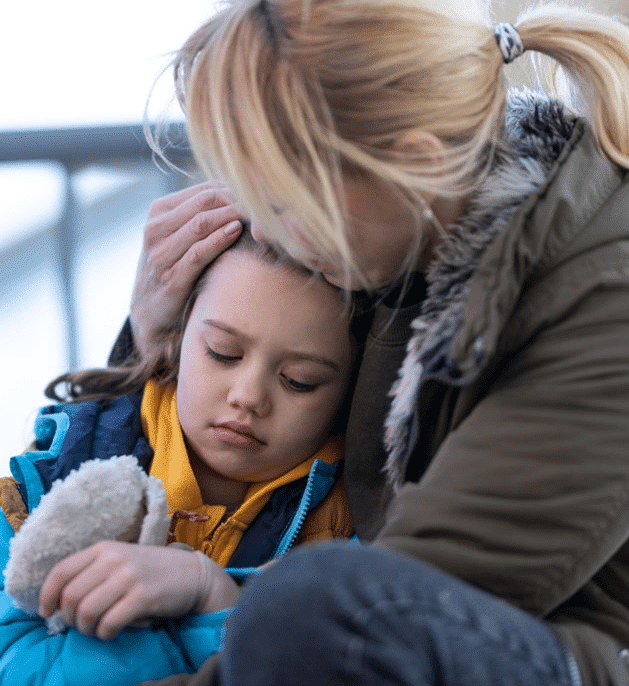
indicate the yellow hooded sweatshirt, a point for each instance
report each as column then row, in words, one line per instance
column 218, row 533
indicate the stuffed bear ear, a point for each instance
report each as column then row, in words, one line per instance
column 156, row 522
column 98, row 501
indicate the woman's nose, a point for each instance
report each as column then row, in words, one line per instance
column 257, row 233
column 249, row 392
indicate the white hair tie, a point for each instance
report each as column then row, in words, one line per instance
column 509, row 41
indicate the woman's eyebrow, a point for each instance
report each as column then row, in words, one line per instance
column 292, row 354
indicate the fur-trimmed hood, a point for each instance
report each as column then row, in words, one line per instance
column 537, row 130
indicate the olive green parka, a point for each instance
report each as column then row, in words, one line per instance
column 508, row 432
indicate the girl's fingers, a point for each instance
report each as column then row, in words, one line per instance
column 112, row 584
column 128, row 609
column 59, row 577
column 89, row 595
column 90, row 614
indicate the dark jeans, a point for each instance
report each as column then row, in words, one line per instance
column 343, row 615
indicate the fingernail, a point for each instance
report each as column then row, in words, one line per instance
column 232, row 228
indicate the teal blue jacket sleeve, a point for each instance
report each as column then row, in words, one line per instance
column 29, row 656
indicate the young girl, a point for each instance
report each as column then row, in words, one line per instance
column 378, row 141
column 234, row 413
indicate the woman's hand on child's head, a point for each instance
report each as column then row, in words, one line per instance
column 184, row 233
column 110, row 585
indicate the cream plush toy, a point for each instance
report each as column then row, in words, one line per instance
column 110, row 499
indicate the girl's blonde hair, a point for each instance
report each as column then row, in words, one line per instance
column 286, row 98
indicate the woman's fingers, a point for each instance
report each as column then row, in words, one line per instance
column 173, row 200
column 185, row 232
column 185, row 271
column 199, row 214
column 203, row 224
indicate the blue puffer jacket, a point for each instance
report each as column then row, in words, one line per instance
column 66, row 435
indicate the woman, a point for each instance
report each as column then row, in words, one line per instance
column 377, row 142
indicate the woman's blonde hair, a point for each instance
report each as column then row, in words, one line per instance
column 286, row 98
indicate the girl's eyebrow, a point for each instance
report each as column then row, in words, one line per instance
column 292, row 354
column 225, row 327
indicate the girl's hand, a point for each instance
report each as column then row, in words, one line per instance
column 110, row 585
column 184, row 233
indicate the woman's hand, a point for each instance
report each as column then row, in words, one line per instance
column 184, row 233
column 110, row 585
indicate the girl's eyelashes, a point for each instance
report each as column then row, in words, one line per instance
column 219, row 357
column 289, row 381
column 299, row 386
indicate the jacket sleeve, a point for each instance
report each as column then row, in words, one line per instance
column 29, row 656
column 529, row 496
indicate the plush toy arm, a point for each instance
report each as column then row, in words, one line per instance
column 30, row 656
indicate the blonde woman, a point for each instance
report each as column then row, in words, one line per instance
column 378, row 143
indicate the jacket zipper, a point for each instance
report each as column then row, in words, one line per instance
column 304, row 505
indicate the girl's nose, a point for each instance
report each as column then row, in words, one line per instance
column 249, row 392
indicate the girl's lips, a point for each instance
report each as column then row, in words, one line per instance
column 235, row 438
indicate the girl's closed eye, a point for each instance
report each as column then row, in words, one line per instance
column 299, row 386
column 222, row 357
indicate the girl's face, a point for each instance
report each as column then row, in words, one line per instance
column 265, row 361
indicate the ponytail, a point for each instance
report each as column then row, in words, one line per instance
column 593, row 50
column 285, row 99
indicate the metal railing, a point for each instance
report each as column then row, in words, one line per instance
column 72, row 150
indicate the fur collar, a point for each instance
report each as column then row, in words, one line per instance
column 536, row 130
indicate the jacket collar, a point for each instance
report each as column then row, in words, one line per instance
column 172, row 466
column 478, row 272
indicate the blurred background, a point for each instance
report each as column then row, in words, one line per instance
column 76, row 180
